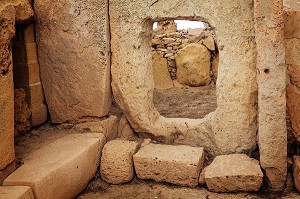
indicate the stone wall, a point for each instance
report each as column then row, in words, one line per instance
column 10, row 12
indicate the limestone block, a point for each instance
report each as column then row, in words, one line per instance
column 26, row 74
column 166, row 163
column 209, row 43
column 193, row 65
column 16, row 192
column 22, row 112
column 233, row 173
column 75, row 75
column 109, row 127
column 29, row 35
column 271, row 81
column 124, row 129
column 62, row 169
column 34, row 94
column 116, row 162
column 31, row 52
column 161, row 75
column 38, row 114
column 23, row 9
column 296, row 172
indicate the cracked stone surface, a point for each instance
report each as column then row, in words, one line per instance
column 73, row 44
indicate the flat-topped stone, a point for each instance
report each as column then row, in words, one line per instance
column 116, row 161
column 232, row 173
column 166, row 163
column 16, row 192
column 62, row 169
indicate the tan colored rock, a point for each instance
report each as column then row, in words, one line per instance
column 162, row 79
column 116, row 162
column 61, row 169
column 193, row 65
column 7, row 171
column 209, row 43
column 166, row 163
column 271, row 80
column 202, row 177
column 215, row 67
column 232, row 127
column 23, row 9
column 75, row 75
column 16, row 192
column 109, row 127
column 296, row 172
column 233, row 173
column 124, row 129
column 22, row 112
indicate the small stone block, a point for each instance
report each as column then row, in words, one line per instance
column 29, row 36
column 16, row 192
column 34, row 94
column 31, row 51
column 165, row 163
column 116, row 161
column 38, row 115
column 233, row 173
column 61, row 169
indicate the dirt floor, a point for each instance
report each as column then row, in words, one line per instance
column 177, row 102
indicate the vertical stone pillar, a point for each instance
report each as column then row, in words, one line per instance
column 271, row 79
column 7, row 31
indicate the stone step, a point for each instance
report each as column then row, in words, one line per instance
column 16, row 192
column 165, row 163
column 62, row 169
column 233, row 173
column 116, row 161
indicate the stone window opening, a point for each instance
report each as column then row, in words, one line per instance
column 185, row 65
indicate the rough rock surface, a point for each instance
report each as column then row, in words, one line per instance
column 296, row 172
column 166, row 163
column 109, row 127
column 116, row 162
column 10, row 11
column 233, row 173
column 22, row 112
column 162, row 79
column 124, row 129
column 61, row 169
column 271, row 80
column 292, row 57
column 16, row 192
column 193, row 65
column 233, row 126
column 75, row 75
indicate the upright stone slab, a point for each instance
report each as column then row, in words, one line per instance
column 233, row 173
column 16, row 192
column 74, row 56
column 62, row 169
column 271, row 80
column 166, row 163
column 116, row 161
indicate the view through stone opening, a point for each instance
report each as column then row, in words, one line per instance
column 185, row 66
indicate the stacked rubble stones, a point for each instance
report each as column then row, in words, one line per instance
column 169, row 44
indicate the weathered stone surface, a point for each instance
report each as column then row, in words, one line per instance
column 7, row 19
column 166, row 163
column 232, row 173
column 75, row 75
column 22, row 112
column 116, row 162
column 233, row 126
column 202, row 177
column 296, row 172
column 292, row 58
column 61, row 169
column 209, row 43
column 23, row 9
column 7, row 171
column 124, row 129
column 162, row 79
column 16, row 192
column 109, row 127
column 271, row 80
column 215, row 66
column 193, row 65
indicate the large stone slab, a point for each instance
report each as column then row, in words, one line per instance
column 233, row 173
column 166, row 163
column 16, row 192
column 62, row 169
column 116, row 161
column 271, row 80
column 292, row 58
column 161, row 75
column 74, row 56
column 232, row 127
column 193, row 65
